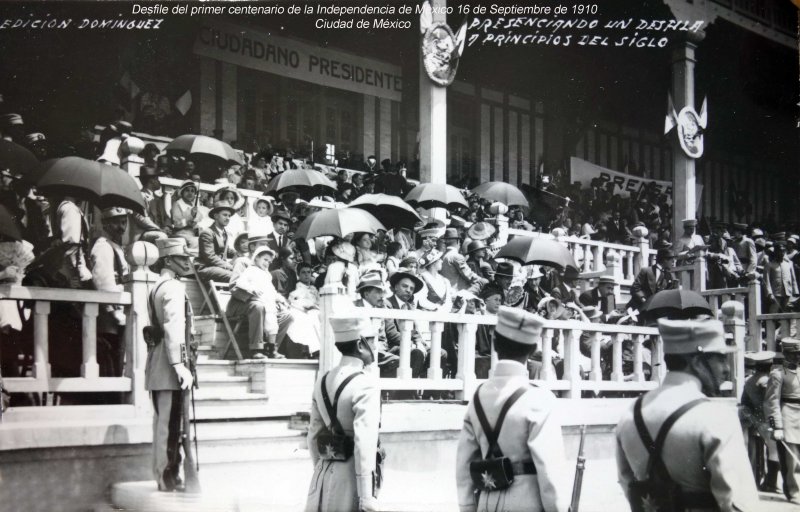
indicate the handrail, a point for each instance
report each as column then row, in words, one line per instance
column 36, row 293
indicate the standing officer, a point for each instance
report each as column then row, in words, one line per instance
column 345, row 418
column 166, row 374
column 526, row 432
column 782, row 408
column 751, row 412
column 701, row 458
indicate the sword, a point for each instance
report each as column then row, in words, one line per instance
column 790, row 452
column 579, row 468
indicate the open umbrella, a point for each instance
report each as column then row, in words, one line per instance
column 537, row 251
column 18, row 160
column 338, row 222
column 502, row 192
column 675, row 304
column 430, row 195
column 391, row 211
column 8, row 228
column 307, row 182
column 205, row 146
column 101, row 184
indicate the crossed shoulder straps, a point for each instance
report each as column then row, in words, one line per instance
column 654, row 448
column 492, row 434
column 335, row 426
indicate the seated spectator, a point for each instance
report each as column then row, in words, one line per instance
column 261, row 222
column 616, row 229
column 492, row 296
column 394, row 255
column 366, row 258
column 254, row 296
column 601, row 296
column 517, row 220
column 503, row 277
column 372, row 290
column 404, row 285
column 185, row 214
column 284, row 277
column 230, row 195
column 532, row 290
column 216, row 246
column 242, row 262
column 651, row 280
column 566, row 289
column 343, row 270
column 305, row 283
column 476, row 260
column 303, row 334
column 281, row 221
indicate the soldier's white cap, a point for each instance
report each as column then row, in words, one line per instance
column 351, row 328
column 763, row 357
column 689, row 222
column 790, row 345
column 693, row 337
column 172, row 247
column 519, row 325
column 114, row 211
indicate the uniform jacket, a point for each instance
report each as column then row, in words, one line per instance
column 170, row 304
column 685, row 243
column 530, row 432
column 779, row 279
column 784, row 383
column 752, row 406
column 336, row 486
column 456, row 270
column 746, row 251
column 704, row 451
column 215, row 250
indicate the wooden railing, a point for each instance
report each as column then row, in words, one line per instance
column 777, row 326
column 39, row 302
column 579, row 373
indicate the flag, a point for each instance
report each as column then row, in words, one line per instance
column 184, row 103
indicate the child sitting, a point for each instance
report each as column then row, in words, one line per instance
column 261, row 222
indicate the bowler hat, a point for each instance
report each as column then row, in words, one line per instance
column 504, row 268
column 475, row 245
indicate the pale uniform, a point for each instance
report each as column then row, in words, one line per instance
column 108, row 267
column 746, row 252
column 73, row 229
column 337, row 486
column 458, row 273
column 685, row 243
column 703, row 451
column 530, row 431
column 782, row 404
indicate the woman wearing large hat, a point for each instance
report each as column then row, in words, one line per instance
column 343, row 270
column 438, row 290
column 186, row 216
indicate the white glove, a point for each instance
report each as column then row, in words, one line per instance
column 368, row 504
column 184, row 376
column 778, row 434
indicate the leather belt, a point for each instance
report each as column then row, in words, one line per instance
column 524, row 468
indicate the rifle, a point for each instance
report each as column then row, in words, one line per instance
column 579, row 468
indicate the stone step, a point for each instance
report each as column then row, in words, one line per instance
column 215, row 367
column 223, row 382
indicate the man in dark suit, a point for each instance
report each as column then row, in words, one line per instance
column 216, row 247
column 652, row 280
column 616, row 230
column 404, row 285
column 278, row 239
column 601, row 296
column 566, row 289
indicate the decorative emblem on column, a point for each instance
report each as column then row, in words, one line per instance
column 691, row 126
column 441, row 50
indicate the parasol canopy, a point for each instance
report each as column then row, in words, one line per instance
column 391, row 211
column 431, row 195
column 529, row 250
column 338, row 222
column 203, row 145
column 501, row 192
column 308, row 181
column 676, row 304
column 102, row 185
column 8, row 228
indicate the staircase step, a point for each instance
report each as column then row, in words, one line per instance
column 220, row 381
column 207, row 367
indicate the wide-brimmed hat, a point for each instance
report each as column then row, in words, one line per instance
column 403, row 273
column 481, row 231
column 371, row 279
column 475, row 245
column 269, row 200
column 504, row 268
column 430, row 257
column 434, row 232
column 344, row 250
column 188, row 184
column 263, row 249
column 220, row 206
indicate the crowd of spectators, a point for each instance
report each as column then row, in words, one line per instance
column 444, row 264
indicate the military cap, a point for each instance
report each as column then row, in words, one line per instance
column 779, row 236
column 765, row 357
column 351, row 328
column 739, row 226
column 693, row 337
column 114, row 211
column 790, row 345
column 689, row 223
column 518, row 325
column 11, row 119
column 481, row 231
column 757, row 232
column 172, row 247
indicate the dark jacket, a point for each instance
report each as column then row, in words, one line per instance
column 212, row 250
column 645, row 285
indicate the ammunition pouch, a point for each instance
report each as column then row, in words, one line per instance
column 153, row 335
column 492, row 474
column 335, row 447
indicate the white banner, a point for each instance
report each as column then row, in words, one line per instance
column 624, row 184
column 254, row 49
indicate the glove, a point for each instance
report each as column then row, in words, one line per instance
column 184, row 376
column 778, row 434
column 368, row 504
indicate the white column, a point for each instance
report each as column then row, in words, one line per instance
column 432, row 118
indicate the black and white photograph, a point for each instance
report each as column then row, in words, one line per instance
column 400, row 256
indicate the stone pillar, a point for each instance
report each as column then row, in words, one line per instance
column 432, row 119
column 684, row 201
column 329, row 355
column 733, row 319
column 140, row 255
column 129, row 158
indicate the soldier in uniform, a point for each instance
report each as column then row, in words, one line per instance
column 529, row 434
column 689, row 242
column 346, row 404
column 751, row 413
column 745, row 247
column 166, row 374
column 782, row 409
column 704, row 463
column 108, row 267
